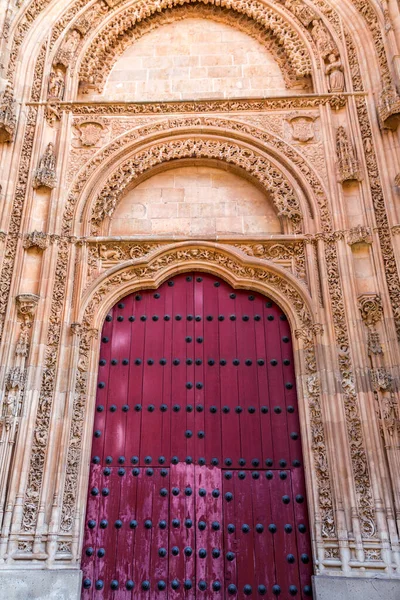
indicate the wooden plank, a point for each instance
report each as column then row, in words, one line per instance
column 263, row 539
column 228, row 351
column 144, row 535
column 199, row 433
column 178, row 382
column 275, row 383
column 134, row 415
column 250, row 431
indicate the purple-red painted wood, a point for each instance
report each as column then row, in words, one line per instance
column 193, row 333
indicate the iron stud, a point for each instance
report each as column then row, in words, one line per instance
column 247, row 590
column 130, row 584
column 114, row 584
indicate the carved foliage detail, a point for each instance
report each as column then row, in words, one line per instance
column 7, row 115
column 117, row 33
column 258, row 166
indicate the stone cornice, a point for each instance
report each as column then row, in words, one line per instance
column 202, row 106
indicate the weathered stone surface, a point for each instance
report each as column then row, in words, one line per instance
column 41, row 584
column 351, row 588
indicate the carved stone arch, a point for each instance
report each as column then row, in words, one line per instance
column 284, row 38
column 269, row 175
column 305, row 202
column 240, row 272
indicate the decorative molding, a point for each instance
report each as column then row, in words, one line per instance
column 230, row 152
column 389, row 261
column 45, row 174
column 232, row 105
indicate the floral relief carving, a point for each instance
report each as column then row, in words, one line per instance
column 289, row 252
column 389, row 261
column 42, row 422
column 259, row 167
column 111, row 41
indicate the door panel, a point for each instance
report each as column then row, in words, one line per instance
column 196, row 485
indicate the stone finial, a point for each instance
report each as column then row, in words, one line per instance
column 348, row 166
column 389, row 107
column 45, row 174
column 8, row 118
column 370, row 306
column 36, row 239
column 359, row 235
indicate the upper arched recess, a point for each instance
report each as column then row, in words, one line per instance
column 277, row 34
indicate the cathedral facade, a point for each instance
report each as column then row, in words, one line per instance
column 199, row 299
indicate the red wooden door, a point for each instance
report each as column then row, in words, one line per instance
column 196, row 484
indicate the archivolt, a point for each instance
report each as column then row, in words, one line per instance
column 254, row 163
column 255, row 18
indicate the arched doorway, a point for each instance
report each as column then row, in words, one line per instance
column 196, row 484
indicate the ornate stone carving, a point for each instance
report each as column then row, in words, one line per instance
column 322, row 39
column 302, row 127
column 42, row 423
column 302, row 11
column 334, row 72
column 56, row 85
column 389, row 107
column 281, row 253
column 391, row 273
column 259, row 167
column 26, row 308
column 7, row 115
column 67, row 53
column 36, row 239
column 113, row 38
column 397, row 180
column 371, row 309
column 348, row 166
column 45, row 174
column 90, row 132
column 381, row 380
column 359, row 235
column 374, row 344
